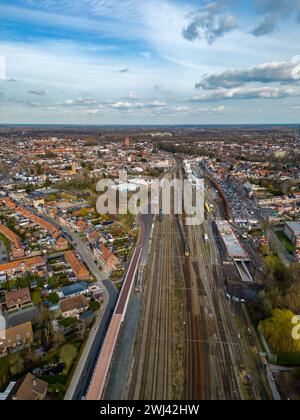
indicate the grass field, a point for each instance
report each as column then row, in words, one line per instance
column 290, row 247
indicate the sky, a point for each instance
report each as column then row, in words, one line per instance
column 149, row 61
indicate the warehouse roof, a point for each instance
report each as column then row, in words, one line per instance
column 294, row 226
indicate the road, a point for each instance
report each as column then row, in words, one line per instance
column 84, row 372
column 90, row 360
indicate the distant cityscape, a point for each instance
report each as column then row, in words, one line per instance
column 73, row 282
column 149, row 203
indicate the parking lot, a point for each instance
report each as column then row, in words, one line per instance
column 3, row 253
column 244, row 210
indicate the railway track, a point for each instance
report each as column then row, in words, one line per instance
column 207, row 341
column 152, row 377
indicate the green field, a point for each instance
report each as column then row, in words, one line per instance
column 6, row 243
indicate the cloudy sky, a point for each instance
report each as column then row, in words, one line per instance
column 149, row 61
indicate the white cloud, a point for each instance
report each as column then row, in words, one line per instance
column 247, row 93
column 212, row 110
column 182, row 108
column 285, row 71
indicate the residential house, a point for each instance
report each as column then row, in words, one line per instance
column 79, row 269
column 74, row 306
column 62, row 243
column 16, row 338
column 75, row 289
column 17, row 249
column 7, row 202
column 53, row 230
column 30, row 388
column 18, row 299
column 34, row 265
column 107, row 259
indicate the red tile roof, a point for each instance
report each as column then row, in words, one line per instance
column 27, row 263
column 39, row 221
column 13, row 298
column 79, row 269
column 14, row 239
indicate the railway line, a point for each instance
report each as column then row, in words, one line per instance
column 186, row 346
column 152, row 373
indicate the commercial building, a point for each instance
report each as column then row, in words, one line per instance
column 292, row 231
column 230, row 241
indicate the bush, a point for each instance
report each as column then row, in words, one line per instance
column 94, row 306
column 53, row 298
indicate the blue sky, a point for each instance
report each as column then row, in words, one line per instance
column 149, row 61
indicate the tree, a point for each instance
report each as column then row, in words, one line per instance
column 291, row 299
column 36, row 297
column 16, row 364
column 51, row 198
column 81, row 329
column 278, row 331
column 94, row 306
column 58, row 338
column 67, row 355
column 265, row 302
column 83, row 212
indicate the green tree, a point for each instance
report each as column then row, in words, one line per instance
column 278, row 331
column 16, row 363
column 67, row 355
column 83, row 212
column 51, row 197
column 37, row 298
